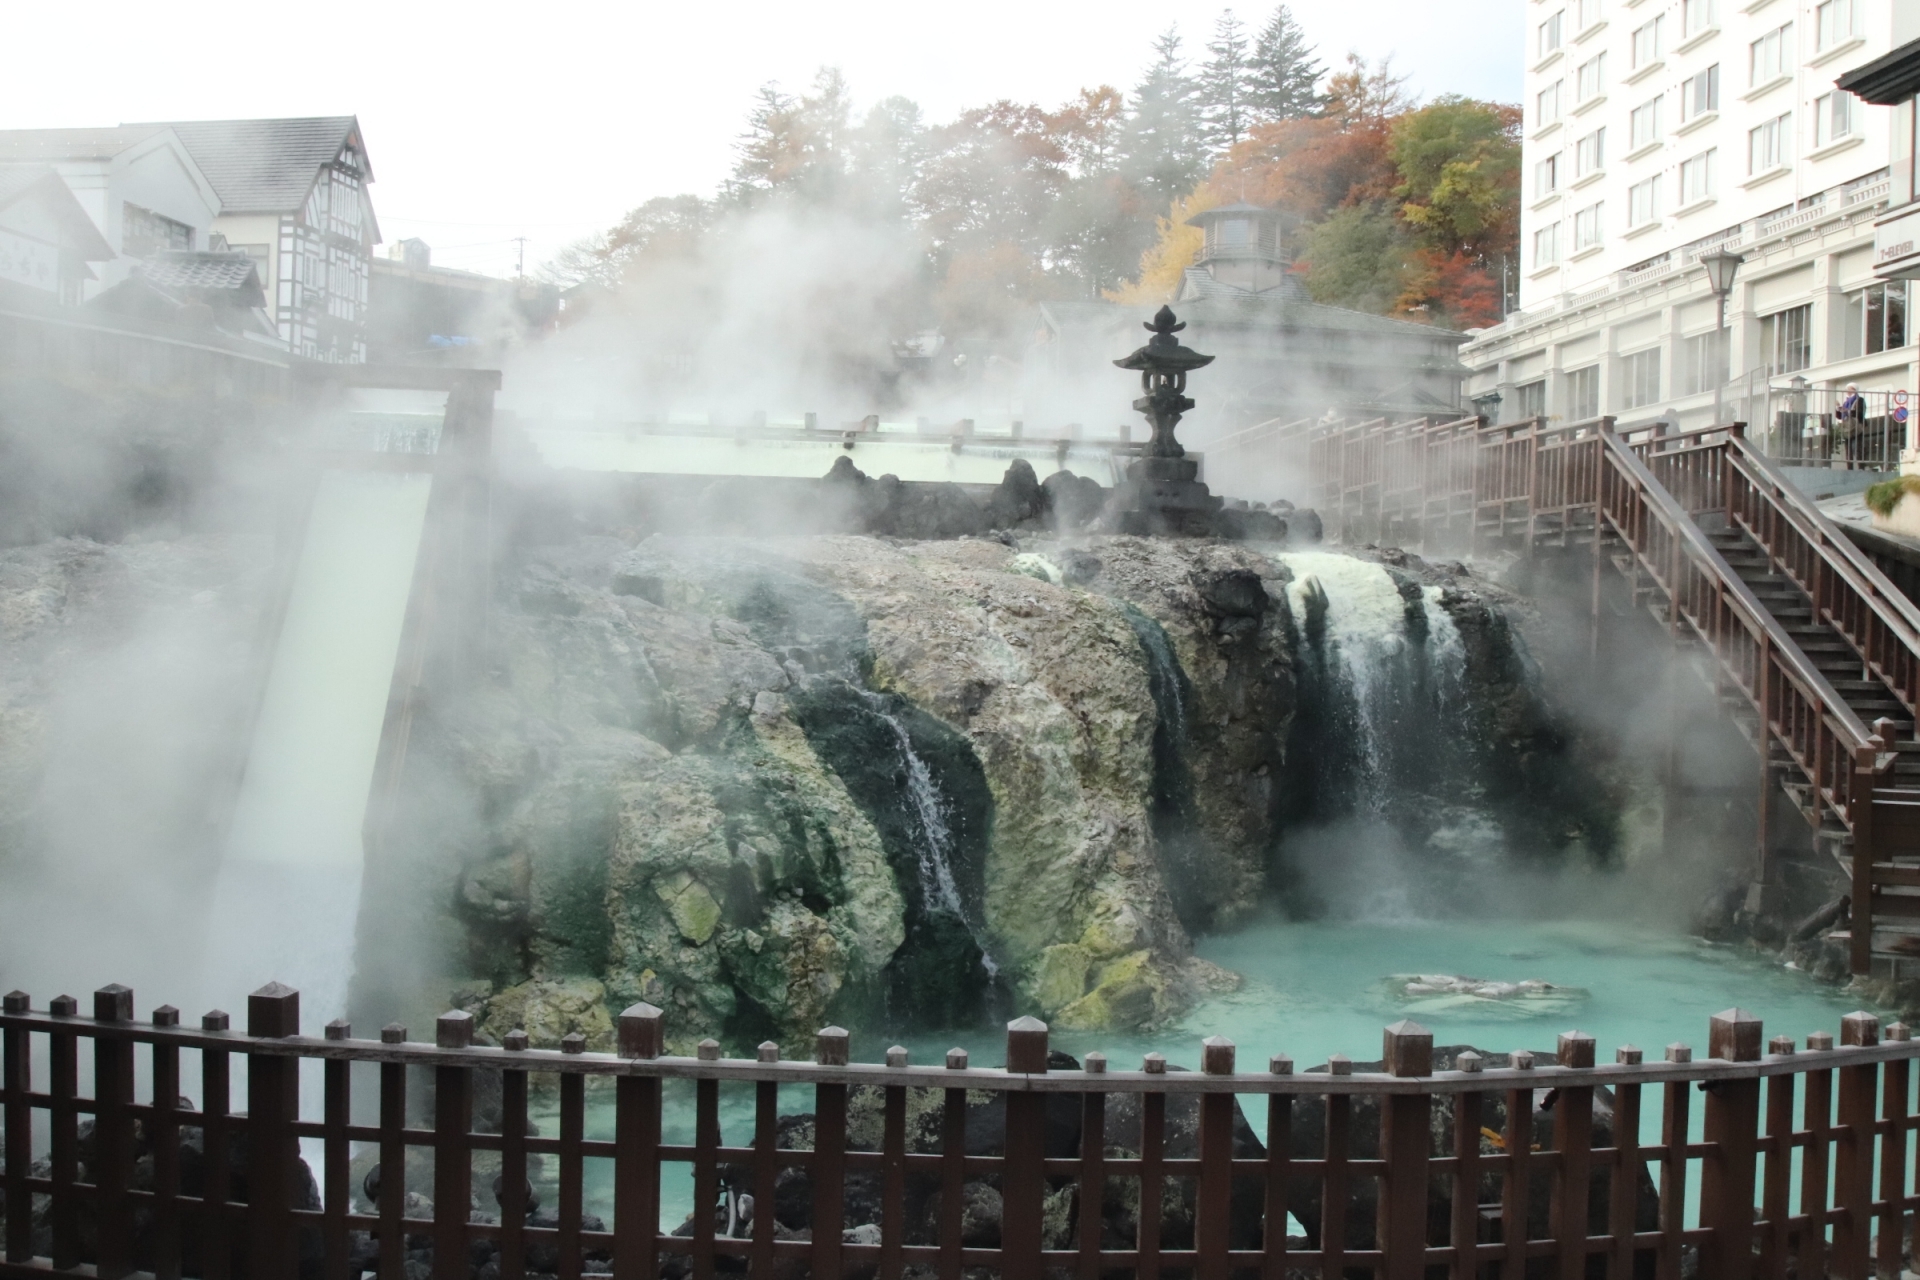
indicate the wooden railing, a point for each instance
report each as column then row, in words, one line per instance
column 1462, row 1162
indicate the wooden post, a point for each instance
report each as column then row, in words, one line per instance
column 1860, row 806
column 113, row 1134
column 216, row 1084
column 1817, row 1118
column 1279, row 1170
column 1465, row 1225
column 19, row 1150
column 512, row 1199
column 1776, row 1243
column 636, row 1161
column 273, row 1103
column 1853, row 1154
column 1623, row 1189
column 1673, row 1168
column 1214, row 1208
column 1573, row 1140
column 1022, row 1184
column 1405, row 1146
column 336, row 1112
column 452, row 1161
column 1732, row 1125
column 166, row 1150
column 1893, row 1157
column 953, row 1155
column 830, row 1049
column 63, row 1123
column 393, row 1159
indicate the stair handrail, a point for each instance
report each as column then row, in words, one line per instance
column 1853, row 565
column 1814, row 684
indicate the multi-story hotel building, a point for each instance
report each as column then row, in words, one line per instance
column 1661, row 130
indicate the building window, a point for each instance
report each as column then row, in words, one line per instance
column 1583, row 393
column 1643, row 202
column 1703, row 362
column 1647, row 43
column 144, row 232
column 1587, row 13
column 1696, row 177
column 1590, row 154
column 1546, row 245
column 1832, row 118
column 1786, row 340
column 1593, row 77
column 1877, row 318
column 1836, row 22
column 1546, row 176
column 1549, row 35
column 1768, row 146
column 1771, row 56
column 1700, row 93
column 1587, row 227
column 1547, row 105
column 1640, row 372
column 1646, row 122
column 1697, row 16
column 1530, row 400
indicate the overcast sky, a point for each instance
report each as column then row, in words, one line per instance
column 487, row 121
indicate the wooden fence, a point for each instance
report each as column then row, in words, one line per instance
column 1412, row 1166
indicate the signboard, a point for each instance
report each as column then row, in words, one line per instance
column 1896, row 245
column 24, row 260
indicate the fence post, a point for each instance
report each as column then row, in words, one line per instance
column 1573, row 1138
column 452, row 1162
column 1213, row 1209
column 1022, row 1183
column 1853, row 1155
column 19, row 1149
column 113, row 1133
column 1405, row 1145
column 830, row 1049
column 636, row 1162
column 1731, row 1125
column 1893, row 1154
column 273, row 1084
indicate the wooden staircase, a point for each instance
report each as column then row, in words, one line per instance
column 1814, row 653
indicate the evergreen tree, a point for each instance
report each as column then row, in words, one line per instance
column 1225, row 112
column 1163, row 153
column 1282, row 73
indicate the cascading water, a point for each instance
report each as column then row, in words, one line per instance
column 934, row 847
column 1383, row 745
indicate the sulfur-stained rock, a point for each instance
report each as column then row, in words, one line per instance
column 548, row 1010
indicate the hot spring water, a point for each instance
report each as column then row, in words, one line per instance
column 1312, row 989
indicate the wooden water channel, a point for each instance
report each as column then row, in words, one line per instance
column 1809, row 643
column 1464, row 1177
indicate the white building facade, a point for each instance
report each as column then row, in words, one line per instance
column 1659, row 130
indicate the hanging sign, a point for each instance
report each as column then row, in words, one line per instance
column 27, row 261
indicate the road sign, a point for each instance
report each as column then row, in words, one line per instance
column 1899, row 397
column 1900, row 413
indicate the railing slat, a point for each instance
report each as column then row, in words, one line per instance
column 1817, row 1113
column 1776, row 1242
column 636, row 1163
column 573, row 1116
column 393, row 1166
column 512, row 1196
column 1573, row 1140
column 452, row 1152
column 335, row 1188
column 953, row 1154
column 1853, row 1154
column 1333, row 1184
column 1278, row 1172
column 16, row 1059
column 1464, row 1234
column 893, row 1183
column 63, row 1068
column 1893, row 1160
column 1623, row 1189
column 113, row 1137
column 706, row 1173
column 1092, row 1180
column 1153, row 1139
column 216, row 1085
column 165, row 1061
column 829, row 1158
column 1515, row 1186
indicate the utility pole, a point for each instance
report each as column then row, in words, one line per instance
column 520, row 269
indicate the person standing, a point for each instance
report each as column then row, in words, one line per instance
column 1850, row 424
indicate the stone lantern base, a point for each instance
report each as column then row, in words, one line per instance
column 1162, row 496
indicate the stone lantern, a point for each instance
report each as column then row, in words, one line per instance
column 1162, row 493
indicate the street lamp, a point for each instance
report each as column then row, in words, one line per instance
column 1721, row 265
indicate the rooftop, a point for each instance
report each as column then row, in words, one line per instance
column 263, row 166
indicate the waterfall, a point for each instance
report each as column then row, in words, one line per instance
column 933, row 842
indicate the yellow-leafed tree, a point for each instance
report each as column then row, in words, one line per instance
column 1176, row 248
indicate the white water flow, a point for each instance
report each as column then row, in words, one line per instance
column 288, row 891
column 934, row 850
column 1366, row 636
column 1446, row 653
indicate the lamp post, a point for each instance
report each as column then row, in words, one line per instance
column 1487, row 404
column 1721, row 266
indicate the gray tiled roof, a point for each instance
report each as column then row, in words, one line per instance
column 185, row 269
column 262, row 166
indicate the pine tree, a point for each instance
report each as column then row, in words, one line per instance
column 1282, row 72
column 1163, row 153
column 1224, row 109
